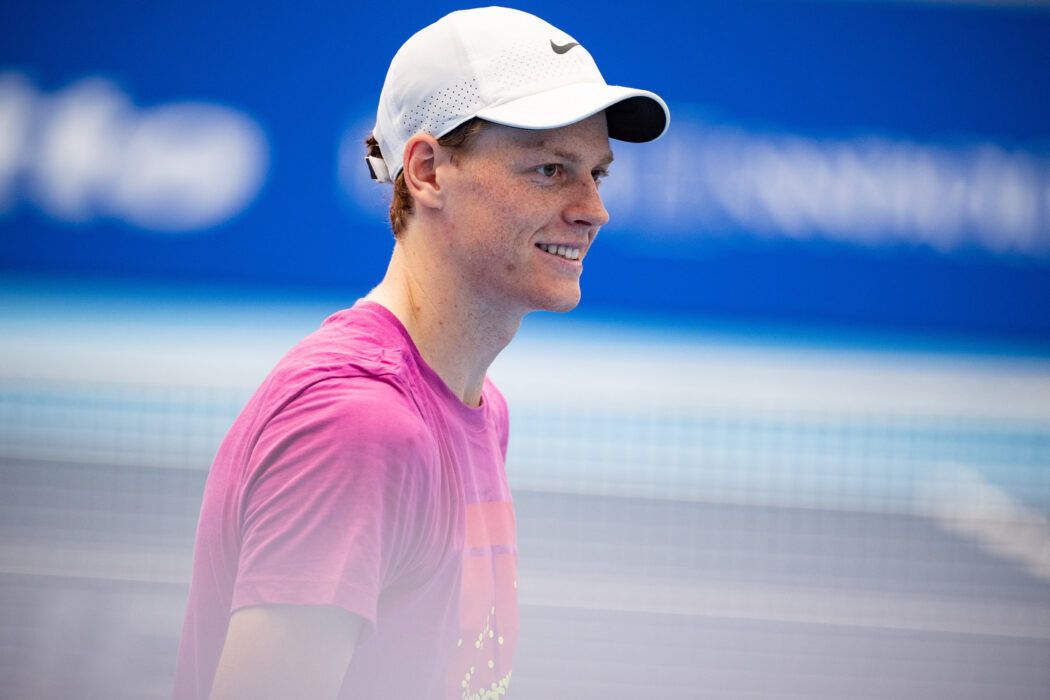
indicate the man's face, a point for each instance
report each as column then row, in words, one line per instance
column 522, row 210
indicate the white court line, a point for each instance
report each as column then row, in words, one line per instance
column 965, row 504
column 730, row 600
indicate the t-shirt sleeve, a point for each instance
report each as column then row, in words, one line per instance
column 328, row 513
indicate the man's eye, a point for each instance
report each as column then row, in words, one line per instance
column 599, row 175
column 549, row 170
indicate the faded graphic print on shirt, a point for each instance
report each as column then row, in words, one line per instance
column 481, row 668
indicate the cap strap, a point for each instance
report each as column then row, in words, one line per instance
column 377, row 168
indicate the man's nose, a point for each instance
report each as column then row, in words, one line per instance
column 586, row 207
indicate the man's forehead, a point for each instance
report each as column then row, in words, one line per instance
column 577, row 142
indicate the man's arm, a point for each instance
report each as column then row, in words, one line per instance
column 286, row 651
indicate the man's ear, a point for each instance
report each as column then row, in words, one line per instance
column 423, row 156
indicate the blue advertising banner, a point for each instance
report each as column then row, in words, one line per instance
column 875, row 165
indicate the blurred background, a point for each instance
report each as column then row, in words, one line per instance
column 795, row 442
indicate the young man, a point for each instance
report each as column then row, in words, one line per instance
column 356, row 538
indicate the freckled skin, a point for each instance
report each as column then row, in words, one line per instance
column 468, row 266
column 515, row 188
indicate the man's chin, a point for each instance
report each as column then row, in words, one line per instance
column 562, row 305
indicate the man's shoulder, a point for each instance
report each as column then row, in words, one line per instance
column 335, row 393
column 359, row 340
column 355, row 364
column 352, row 345
column 351, row 414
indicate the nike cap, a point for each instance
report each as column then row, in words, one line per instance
column 504, row 66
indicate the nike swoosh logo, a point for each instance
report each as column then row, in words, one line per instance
column 562, row 49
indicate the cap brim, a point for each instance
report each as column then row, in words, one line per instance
column 633, row 115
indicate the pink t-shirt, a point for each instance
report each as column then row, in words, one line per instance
column 354, row 477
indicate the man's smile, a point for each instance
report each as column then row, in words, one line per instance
column 564, row 251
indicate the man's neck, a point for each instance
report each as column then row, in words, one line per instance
column 457, row 334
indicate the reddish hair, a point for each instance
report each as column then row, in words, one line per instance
column 401, row 204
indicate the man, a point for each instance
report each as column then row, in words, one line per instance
column 356, row 538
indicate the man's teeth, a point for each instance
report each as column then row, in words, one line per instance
column 565, row 252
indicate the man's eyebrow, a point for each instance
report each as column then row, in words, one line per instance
column 572, row 157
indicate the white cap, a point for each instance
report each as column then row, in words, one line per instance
column 504, row 66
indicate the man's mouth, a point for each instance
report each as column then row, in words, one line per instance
column 560, row 250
